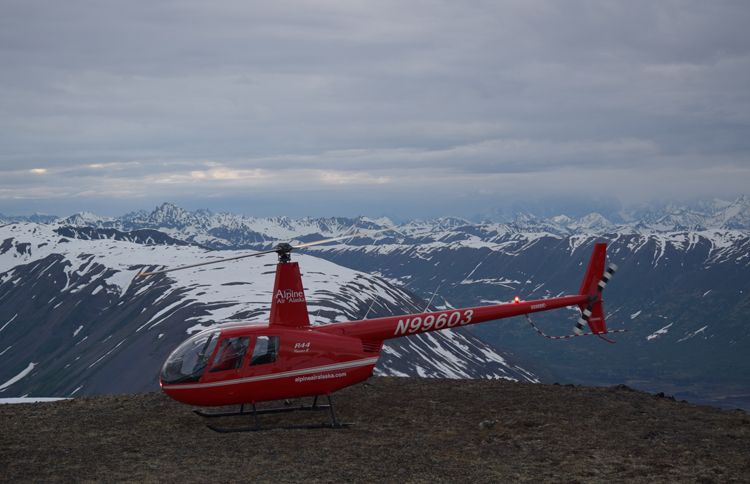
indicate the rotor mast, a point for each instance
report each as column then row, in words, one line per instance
column 284, row 250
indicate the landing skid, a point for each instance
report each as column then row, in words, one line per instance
column 230, row 430
column 333, row 424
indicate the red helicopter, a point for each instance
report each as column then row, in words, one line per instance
column 239, row 364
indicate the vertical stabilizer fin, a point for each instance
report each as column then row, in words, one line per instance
column 288, row 304
column 594, row 282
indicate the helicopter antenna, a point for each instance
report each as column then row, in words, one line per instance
column 433, row 296
column 372, row 303
column 283, row 249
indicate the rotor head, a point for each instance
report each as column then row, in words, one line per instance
column 284, row 250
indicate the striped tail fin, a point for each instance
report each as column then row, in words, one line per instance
column 594, row 282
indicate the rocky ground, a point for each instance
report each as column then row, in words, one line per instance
column 403, row 429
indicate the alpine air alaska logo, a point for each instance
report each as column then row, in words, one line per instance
column 289, row 296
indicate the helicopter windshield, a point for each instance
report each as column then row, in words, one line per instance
column 188, row 361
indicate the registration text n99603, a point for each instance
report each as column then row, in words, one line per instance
column 447, row 319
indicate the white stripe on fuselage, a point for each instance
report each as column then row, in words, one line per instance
column 274, row 376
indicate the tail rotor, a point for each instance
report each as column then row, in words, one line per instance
column 592, row 315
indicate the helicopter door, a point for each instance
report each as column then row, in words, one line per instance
column 265, row 351
column 230, row 354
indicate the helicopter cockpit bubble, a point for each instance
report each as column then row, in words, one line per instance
column 189, row 360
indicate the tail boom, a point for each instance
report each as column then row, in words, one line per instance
column 381, row 329
column 588, row 300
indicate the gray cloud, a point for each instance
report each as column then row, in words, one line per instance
column 328, row 100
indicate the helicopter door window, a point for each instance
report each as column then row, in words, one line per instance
column 230, row 353
column 189, row 360
column 265, row 351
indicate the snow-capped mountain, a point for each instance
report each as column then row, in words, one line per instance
column 682, row 290
column 704, row 214
column 683, row 295
column 35, row 218
column 85, row 219
column 73, row 320
column 224, row 230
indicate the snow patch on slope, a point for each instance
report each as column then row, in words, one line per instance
column 18, row 377
column 659, row 332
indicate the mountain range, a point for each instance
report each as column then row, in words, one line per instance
column 681, row 291
column 705, row 214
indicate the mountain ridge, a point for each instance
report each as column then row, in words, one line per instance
column 704, row 214
column 682, row 293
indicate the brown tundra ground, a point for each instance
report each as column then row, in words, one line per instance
column 403, row 430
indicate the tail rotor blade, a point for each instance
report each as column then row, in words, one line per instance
column 583, row 321
column 607, row 276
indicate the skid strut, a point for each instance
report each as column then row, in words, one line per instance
column 255, row 412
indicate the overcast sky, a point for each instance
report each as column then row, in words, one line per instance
column 400, row 108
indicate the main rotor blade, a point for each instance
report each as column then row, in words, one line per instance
column 340, row 237
column 219, row 261
column 264, row 252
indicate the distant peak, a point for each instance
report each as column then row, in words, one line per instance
column 525, row 217
column 168, row 207
column 169, row 211
column 561, row 219
column 85, row 218
column 381, row 221
column 594, row 217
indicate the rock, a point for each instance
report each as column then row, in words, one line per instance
column 487, row 424
column 622, row 387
